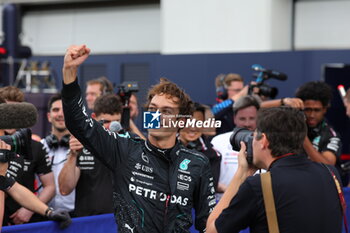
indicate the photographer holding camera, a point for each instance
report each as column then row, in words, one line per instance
column 230, row 88
column 267, row 93
column 19, row 193
column 22, row 195
column 25, row 170
column 303, row 192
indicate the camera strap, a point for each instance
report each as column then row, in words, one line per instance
column 340, row 195
column 269, row 202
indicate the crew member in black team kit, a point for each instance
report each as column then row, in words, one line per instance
column 157, row 182
column 85, row 173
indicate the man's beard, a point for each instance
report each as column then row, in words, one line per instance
column 61, row 130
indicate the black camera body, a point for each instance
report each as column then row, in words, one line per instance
column 20, row 143
column 126, row 89
column 264, row 90
column 261, row 77
column 246, row 136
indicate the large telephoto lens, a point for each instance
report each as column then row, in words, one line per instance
column 20, row 142
column 246, row 136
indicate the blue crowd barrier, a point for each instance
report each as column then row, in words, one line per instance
column 101, row 224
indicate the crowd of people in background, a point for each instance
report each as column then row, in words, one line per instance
column 85, row 168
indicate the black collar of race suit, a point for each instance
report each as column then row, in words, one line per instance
column 168, row 154
column 319, row 126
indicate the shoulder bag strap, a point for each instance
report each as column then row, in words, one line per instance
column 269, row 202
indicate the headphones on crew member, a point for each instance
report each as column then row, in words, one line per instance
column 221, row 89
column 53, row 142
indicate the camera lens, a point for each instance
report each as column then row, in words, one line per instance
column 246, row 136
column 268, row 91
column 20, row 142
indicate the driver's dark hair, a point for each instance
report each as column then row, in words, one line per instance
column 170, row 90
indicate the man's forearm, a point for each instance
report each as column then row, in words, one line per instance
column 68, row 177
column 316, row 156
column 270, row 103
column 291, row 102
column 69, row 75
column 47, row 193
column 49, row 189
column 27, row 199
